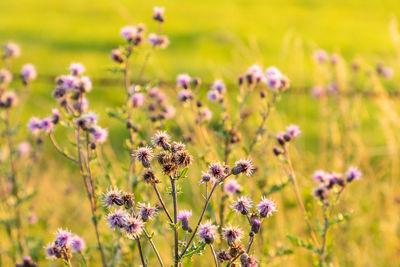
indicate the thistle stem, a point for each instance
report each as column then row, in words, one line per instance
column 154, row 247
column 162, row 203
column 175, row 202
column 214, row 256
column 141, row 252
column 62, row 152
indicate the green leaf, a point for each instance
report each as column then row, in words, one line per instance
column 194, row 249
column 301, row 243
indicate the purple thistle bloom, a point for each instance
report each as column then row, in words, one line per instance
column 321, row 192
column 77, row 243
column 248, row 261
column 168, row 112
column 216, row 170
column 11, row 50
column 144, row 155
column 86, row 84
column 62, row 237
column 243, row 166
column 56, row 115
column 184, row 95
column 133, row 227
column 28, row 73
column 205, row 114
column 129, row 33
column 161, row 139
column 293, row 130
column 183, row 80
column 272, row 71
column 34, row 125
column 87, row 121
column 68, row 82
column 317, row 91
column 213, row 95
column 137, row 100
column 183, row 217
column 321, row 56
column 47, row 125
column 51, row 250
column 117, row 219
column 24, row 148
column 353, row 173
column 146, row 211
column 232, row 234
column 99, row 134
column 113, row 196
column 159, row 13
column 5, row 76
column 207, row 232
column 319, row 176
column 232, row 186
column 9, row 99
column 266, row 207
column 76, row 68
column 242, row 205
column 219, row 86
column 256, row 74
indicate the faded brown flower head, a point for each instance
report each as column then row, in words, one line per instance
column 150, row 177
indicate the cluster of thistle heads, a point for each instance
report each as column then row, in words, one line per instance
column 125, row 217
column 327, row 181
column 8, row 97
column 64, row 245
column 284, row 138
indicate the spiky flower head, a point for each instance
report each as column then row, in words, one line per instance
column 146, row 211
column 243, row 166
column 182, row 158
column 213, row 95
column 52, row 250
column 99, row 134
column 62, row 237
column 34, row 125
column 184, row 95
column 216, row 170
column 144, row 155
column 28, row 73
column 133, row 227
column 161, row 139
column 177, row 146
column 321, row 192
column 207, row 232
column 137, row 100
column 5, row 76
column 87, row 121
column 183, row 217
column 219, row 86
column 183, row 80
column 8, row 100
column 85, row 84
column 266, row 207
column 150, row 177
column 11, row 50
column 319, row 176
column 76, row 68
column 242, row 205
column 77, row 244
column 248, row 261
column 129, row 33
column 353, row 173
column 159, row 13
column 113, row 196
column 47, row 125
column 293, row 131
column 117, row 218
column 232, row 234
column 232, row 186
column 321, row 56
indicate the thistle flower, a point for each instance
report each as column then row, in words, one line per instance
column 219, row 86
column 117, row 219
column 85, row 84
column 56, row 115
column 87, row 121
column 28, row 73
column 9, row 99
column 317, row 91
column 144, row 155
column 353, row 173
column 183, row 217
column 207, row 232
column 159, row 13
column 113, row 196
column 216, row 170
column 133, row 227
column 266, row 207
column 333, row 178
column 76, row 68
column 168, row 112
column 51, row 250
column 62, row 237
column 232, row 234
column 182, row 159
column 34, row 125
column 255, row 225
column 321, row 56
column 321, row 192
column 161, row 139
column 129, row 33
column 149, row 177
column 117, row 55
column 47, row 125
column 128, row 199
column 11, row 50
column 232, row 186
column 99, row 134
column 5, row 76
column 242, row 205
column 248, row 261
column 137, row 100
column 319, row 176
column 255, row 73
column 205, row 114
column 156, row 40
column 213, row 95
column 243, row 166
column 183, row 80
column 293, row 131
column 146, row 211
column 68, row 82
column 184, row 95
column 177, row 146
column 77, row 244
column 24, row 148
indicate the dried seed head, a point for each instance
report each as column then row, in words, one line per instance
column 128, row 200
column 150, row 177
column 223, row 256
column 182, row 158
column 164, row 158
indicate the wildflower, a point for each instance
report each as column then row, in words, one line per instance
column 207, row 232
column 133, row 227
column 293, row 131
column 333, row 178
column 159, row 13
column 184, row 95
column 24, row 148
column 319, row 176
column 335, row 59
column 255, row 73
column 353, row 173
column 317, row 91
column 182, row 159
column 183, row 217
column 266, row 207
column 5, row 76
column 161, row 139
column 34, row 125
column 232, row 234
column 87, row 121
column 113, row 196
column 62, row 237
column 85, row 84
column 276, row 150
column 168, row 112
column 146, row 211
column 213, row 95
column 321, row 192
column 144, row 155
column 77, row 244
column 223, row 256
column 177, row 146
column 242, row 205
column 117, row 219
column 99, row 134
column 248, row 261
column 243, row 166
column 205, row 114
column 82, row 105
column 275, row 79
column 117, row 55
column 219, row 86
column 137, row 100
column 149, row 177
column 47, row 125
column 216, row 170
column 9, row 99
column 321, row 56
column 76, row 68
column 51, row 250
column 68, row 82
column 255, row 225
column 158, row 40
column 128, row 199
column 56, row 115
column 232, row 186
column 183, row 80
column 11, row 50
column 129, row 33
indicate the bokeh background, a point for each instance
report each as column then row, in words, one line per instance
column 221, row 39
